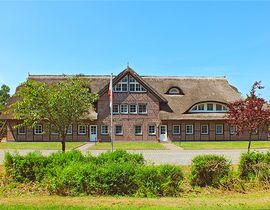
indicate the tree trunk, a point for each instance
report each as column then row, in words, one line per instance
column 63, row 142
column 249, row 143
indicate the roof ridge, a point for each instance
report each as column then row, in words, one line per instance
column 143, row 76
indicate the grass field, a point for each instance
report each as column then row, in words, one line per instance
column 129, row 146
column 38, row 145
column 222, row 145
column 253, row 200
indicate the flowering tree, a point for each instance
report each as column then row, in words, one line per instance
column 249, row 114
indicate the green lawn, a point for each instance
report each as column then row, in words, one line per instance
column 222, row 145
column 230, row 200
column 142, row 145
column 38, row 145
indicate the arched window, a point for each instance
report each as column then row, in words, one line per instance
column 209, row 107
column 174, row 91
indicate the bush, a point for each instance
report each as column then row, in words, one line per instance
column 163, row 180
column 255, row 165
column 119, row 156
column 31, row 167
column 111, row 173
column 90, row 179
column 34, row 166
column 208, row 170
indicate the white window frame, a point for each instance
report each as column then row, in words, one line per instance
column 206, row 133
column 19, row 131
column 118, row 134
column 130, row 109
column 69, row 130
column 53, row 132
column 139, row 109
column 255, row 131
column 189, row 133
column 121, row 105
column 138, row 134
column 174, row 91
column 120, row 84
column 151, row 133
column 233, row 129
column 79, row 129
column 117, row 108
column 221, row 130
column 35, row 129
column 175, row 133
column 102, row 131
column 198, row 108
column 136, row 84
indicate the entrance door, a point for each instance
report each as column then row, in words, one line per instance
column 93, row 133
column 163, row 132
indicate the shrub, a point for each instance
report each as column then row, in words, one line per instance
column 34, row 166
column 208, row 170
column 163, row 180
column 90, row 179
column 31, row 167
column 255, row 165
column 119, row 156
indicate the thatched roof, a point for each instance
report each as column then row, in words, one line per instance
column 195, row 90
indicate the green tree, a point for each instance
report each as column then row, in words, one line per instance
column 59, row 104
column 4, row 96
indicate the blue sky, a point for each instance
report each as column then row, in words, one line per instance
column 197, row 38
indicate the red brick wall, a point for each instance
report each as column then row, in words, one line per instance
column 128, row 121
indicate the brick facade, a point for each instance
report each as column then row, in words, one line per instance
column 162, row 109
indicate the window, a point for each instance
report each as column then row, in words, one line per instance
column 189, row 129
column 121, row 86
column 210, row 107
column 233, row 130
column 38, row 129
column 22, row 130
column 82, row 129
column 204, row 129
column 124, row 109
column 69, row 129
column 133, row 108
column 151, row 129
column 176, row 129
column 254, row 131
column 218, row 107
column 201, row 107
column 104, row 129
column 174, row 91
column 142, row 108
column 115, row 109
column 219, row 129
column 138, row 130
column 135, row 86
column 118, row 130
column 53, row 130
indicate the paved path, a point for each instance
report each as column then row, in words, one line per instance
column 182, row 157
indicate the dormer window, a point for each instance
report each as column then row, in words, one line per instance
column 128, row 83
column 174, row 91
column 209, row 107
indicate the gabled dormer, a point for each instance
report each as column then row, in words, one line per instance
column 128, row 84
column 129, row 81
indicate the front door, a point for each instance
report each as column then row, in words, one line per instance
column 163, row 132
column 93, row 133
